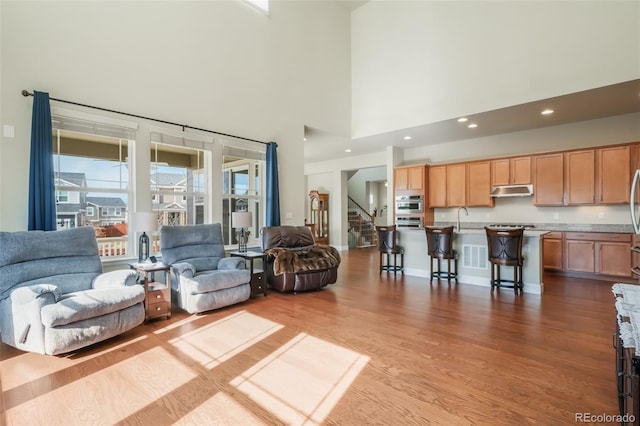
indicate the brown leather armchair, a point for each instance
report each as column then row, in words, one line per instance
column 294, row 262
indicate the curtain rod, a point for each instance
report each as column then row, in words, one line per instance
column 26, row 93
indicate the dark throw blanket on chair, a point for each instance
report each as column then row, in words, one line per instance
column 317, row 257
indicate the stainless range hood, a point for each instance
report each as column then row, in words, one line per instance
column 512, row 191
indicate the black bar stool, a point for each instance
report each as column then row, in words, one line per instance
column 387, row 246
column 504, row 247
column 440, row 246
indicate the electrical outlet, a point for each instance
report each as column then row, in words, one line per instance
column 556, row 216
column 288, row 215
column 600, row 215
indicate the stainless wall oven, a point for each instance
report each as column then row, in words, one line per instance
column 409, row 222
column 406, row 204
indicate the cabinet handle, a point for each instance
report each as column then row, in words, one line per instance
column 158, row 296
column 158, row 308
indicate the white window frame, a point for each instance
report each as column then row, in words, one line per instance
column 253, row 196
column 163, row 136
column 92, row 125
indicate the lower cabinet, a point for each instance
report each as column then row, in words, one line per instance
column 613, row 258
column 552, row 251
column 580, row 255
column 598, row 252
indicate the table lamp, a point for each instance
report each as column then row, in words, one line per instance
column 242, row 220
column 142, row 222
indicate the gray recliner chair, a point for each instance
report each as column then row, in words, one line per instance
column 202, row 278
column 54, row 297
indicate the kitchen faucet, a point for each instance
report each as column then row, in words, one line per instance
column 466, row 212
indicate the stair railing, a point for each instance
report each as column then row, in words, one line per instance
column 361, row 224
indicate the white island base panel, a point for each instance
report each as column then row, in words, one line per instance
column 473, row 264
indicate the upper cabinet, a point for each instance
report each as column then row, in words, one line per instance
column 614, row 175
column 409, row 178
column 511, row 171
column 438, row 186
column 600, row 175
column 479, row 184
column 580, row 173
column 548, row 179
column 460, row 184
column 588, row 176
column 456, row 185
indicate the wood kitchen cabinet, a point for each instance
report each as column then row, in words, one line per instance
column 456, row 185
column 598, row 252
column 479, row 184
column 613, row 258
column 409, row 178
column 511, row 171
column 447, row 185
column 613, row 174
column 438, row 186
column 552, row 251
column 580, row 177
column 580, row 254
column 548, row 179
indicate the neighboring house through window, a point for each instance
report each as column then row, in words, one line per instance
column 91, row 170
column 180, row 167
column 242, row 188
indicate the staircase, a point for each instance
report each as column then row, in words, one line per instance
column 362, row 230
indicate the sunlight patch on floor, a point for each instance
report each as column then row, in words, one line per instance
column 133, row 384
column 215, row 343
column 303, row 380
column 220, row 409
column 30, row 366
column 174, row 325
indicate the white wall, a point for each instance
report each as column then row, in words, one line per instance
column 357, row 184
column 417, row 62
column 219, row 65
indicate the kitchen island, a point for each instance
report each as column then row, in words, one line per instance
column 473, row 263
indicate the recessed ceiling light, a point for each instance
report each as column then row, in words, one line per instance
column 462, row 119
column 407, row 138
column 305, row 139
column 347, row 150
column 472, row 126
column 547, row 111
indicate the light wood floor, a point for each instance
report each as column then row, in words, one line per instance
column 371, row 349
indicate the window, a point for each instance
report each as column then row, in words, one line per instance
column 91, row 172
column 242, row 181
column 179, row 187
column 62, row 197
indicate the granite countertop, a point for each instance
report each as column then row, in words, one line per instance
column 546, row 227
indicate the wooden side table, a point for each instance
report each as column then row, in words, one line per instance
column 258, row 282
column 157, row 300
